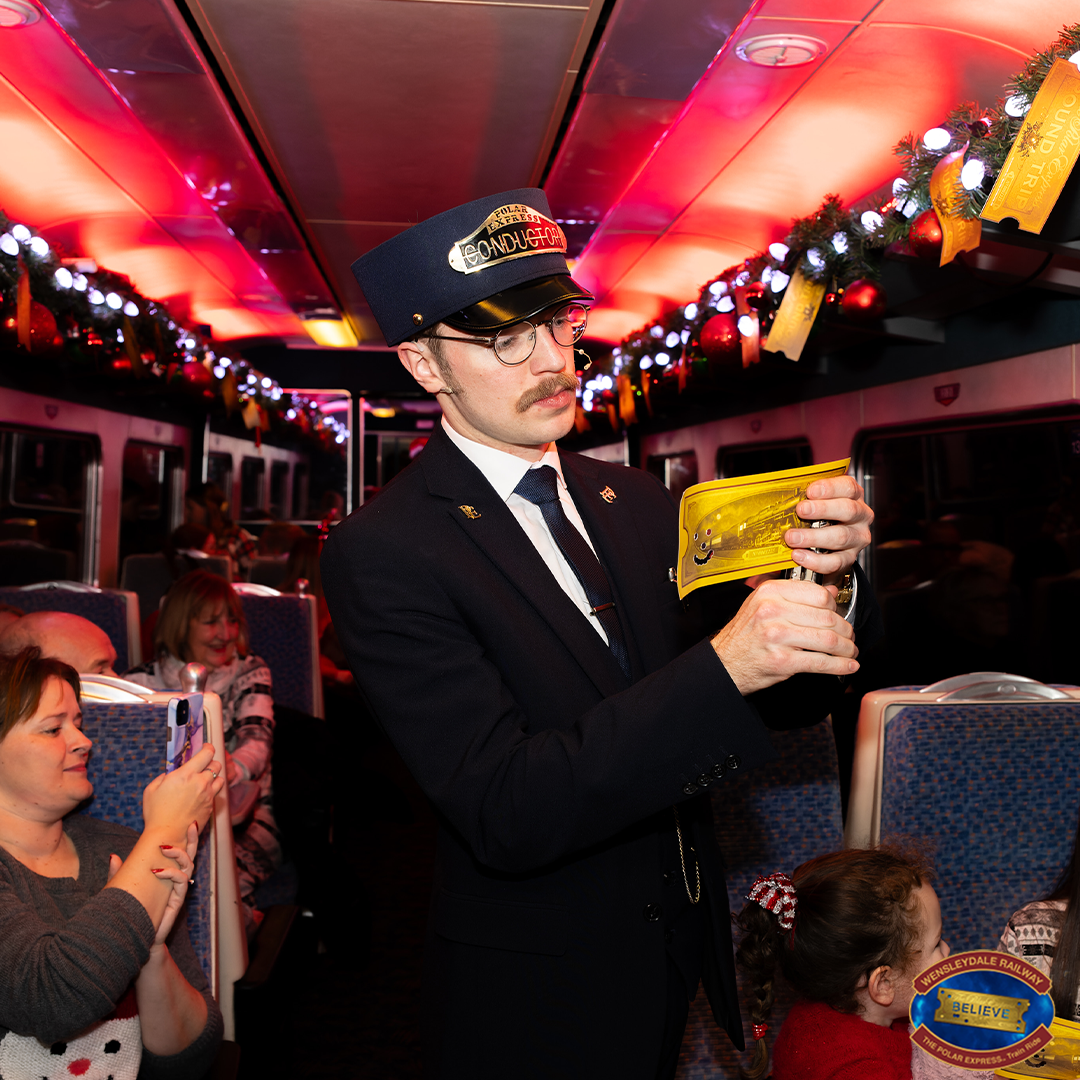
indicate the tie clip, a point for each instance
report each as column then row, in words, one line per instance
column 602, row 607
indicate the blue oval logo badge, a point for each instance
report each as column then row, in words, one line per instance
column 982, row 1010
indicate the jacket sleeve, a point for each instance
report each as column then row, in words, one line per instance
column 521, row 797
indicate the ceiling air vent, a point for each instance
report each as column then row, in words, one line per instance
column 780, row 50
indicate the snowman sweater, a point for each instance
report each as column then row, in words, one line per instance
column 71, row 949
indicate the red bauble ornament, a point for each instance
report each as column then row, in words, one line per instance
column 195, row 376
column 44, row 337
column 720, row 337
column 864, row 301
column 926, row 237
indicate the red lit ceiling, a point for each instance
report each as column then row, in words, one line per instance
column 82, row 163
column 752, row 147
column 236, row 163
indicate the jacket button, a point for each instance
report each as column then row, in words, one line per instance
column 718, row 770
column 689, row 789
column 652, row 912
column 704, row 780
column 733, row 762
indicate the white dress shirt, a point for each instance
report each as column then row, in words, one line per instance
column 504, row 471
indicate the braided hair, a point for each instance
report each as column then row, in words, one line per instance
column 856, row 911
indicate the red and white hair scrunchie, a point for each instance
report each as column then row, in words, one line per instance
column 776, row 893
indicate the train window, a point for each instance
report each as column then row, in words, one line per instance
column 47, row 504
column 301, row 483
column 252, row 488
column 149, row 501
column 758, row 458
column 386, row 453
column 676, row 472
column 976, row 548
column 279, row 482
column 219, row 472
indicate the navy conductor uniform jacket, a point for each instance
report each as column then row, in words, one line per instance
column 558, row 895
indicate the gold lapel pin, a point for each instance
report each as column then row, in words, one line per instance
column 471, row 513
column 607, row 495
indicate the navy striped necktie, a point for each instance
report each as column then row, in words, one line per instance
column 541, row 486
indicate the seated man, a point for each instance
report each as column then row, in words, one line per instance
column 71, row 638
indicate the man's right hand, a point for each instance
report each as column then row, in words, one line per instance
column 785, row 627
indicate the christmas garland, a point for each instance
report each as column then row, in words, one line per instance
column 837, row 247
column 93, row 321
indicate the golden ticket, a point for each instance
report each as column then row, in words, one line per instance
column 976, row 1009
column 795, row 316
column 957, row 233
column 1058, row 1060
column 1043, row 154
column 731, row 529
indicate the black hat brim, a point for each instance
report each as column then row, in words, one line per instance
column 517, row 303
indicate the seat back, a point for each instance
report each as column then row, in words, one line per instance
column 994, row 788
column 151, row 576
column 268, row 570
column 774, row 817
column 115, row 611
column 283, row 630
column 129, row 751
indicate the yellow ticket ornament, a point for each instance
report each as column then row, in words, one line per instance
column 731, row 529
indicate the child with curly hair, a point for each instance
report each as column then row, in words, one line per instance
column 850, row 931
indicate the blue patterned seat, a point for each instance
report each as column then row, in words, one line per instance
column 129, row 751
column 283, row 630
column 771, row 818
column 114, row 610
column 994, row 787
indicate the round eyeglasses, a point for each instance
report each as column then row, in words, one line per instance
column 514, row 345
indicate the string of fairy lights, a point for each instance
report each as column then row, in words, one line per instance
column 839, row 247
column 70, row 311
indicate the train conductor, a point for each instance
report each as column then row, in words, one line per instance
column 508, row 614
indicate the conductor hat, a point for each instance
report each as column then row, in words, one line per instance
column 479, row 267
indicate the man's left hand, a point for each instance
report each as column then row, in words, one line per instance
column 838, row 499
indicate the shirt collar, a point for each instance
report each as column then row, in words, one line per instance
column 502, row 471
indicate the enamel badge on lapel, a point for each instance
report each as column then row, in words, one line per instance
column 607, row 495
column 469, row 512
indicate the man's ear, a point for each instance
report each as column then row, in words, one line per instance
column 421, row 366
column 881, row 985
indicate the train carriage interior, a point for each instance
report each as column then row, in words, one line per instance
column 185, row 183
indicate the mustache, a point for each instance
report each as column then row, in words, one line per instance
column 546, row 388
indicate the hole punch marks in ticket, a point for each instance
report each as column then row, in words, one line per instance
column 732, row 529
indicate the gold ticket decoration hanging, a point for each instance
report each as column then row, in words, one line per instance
column 1043, row 154
column 731, row 529
column 795, row 316
column 946, row 192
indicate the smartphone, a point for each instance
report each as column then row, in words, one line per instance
column 186, row 732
